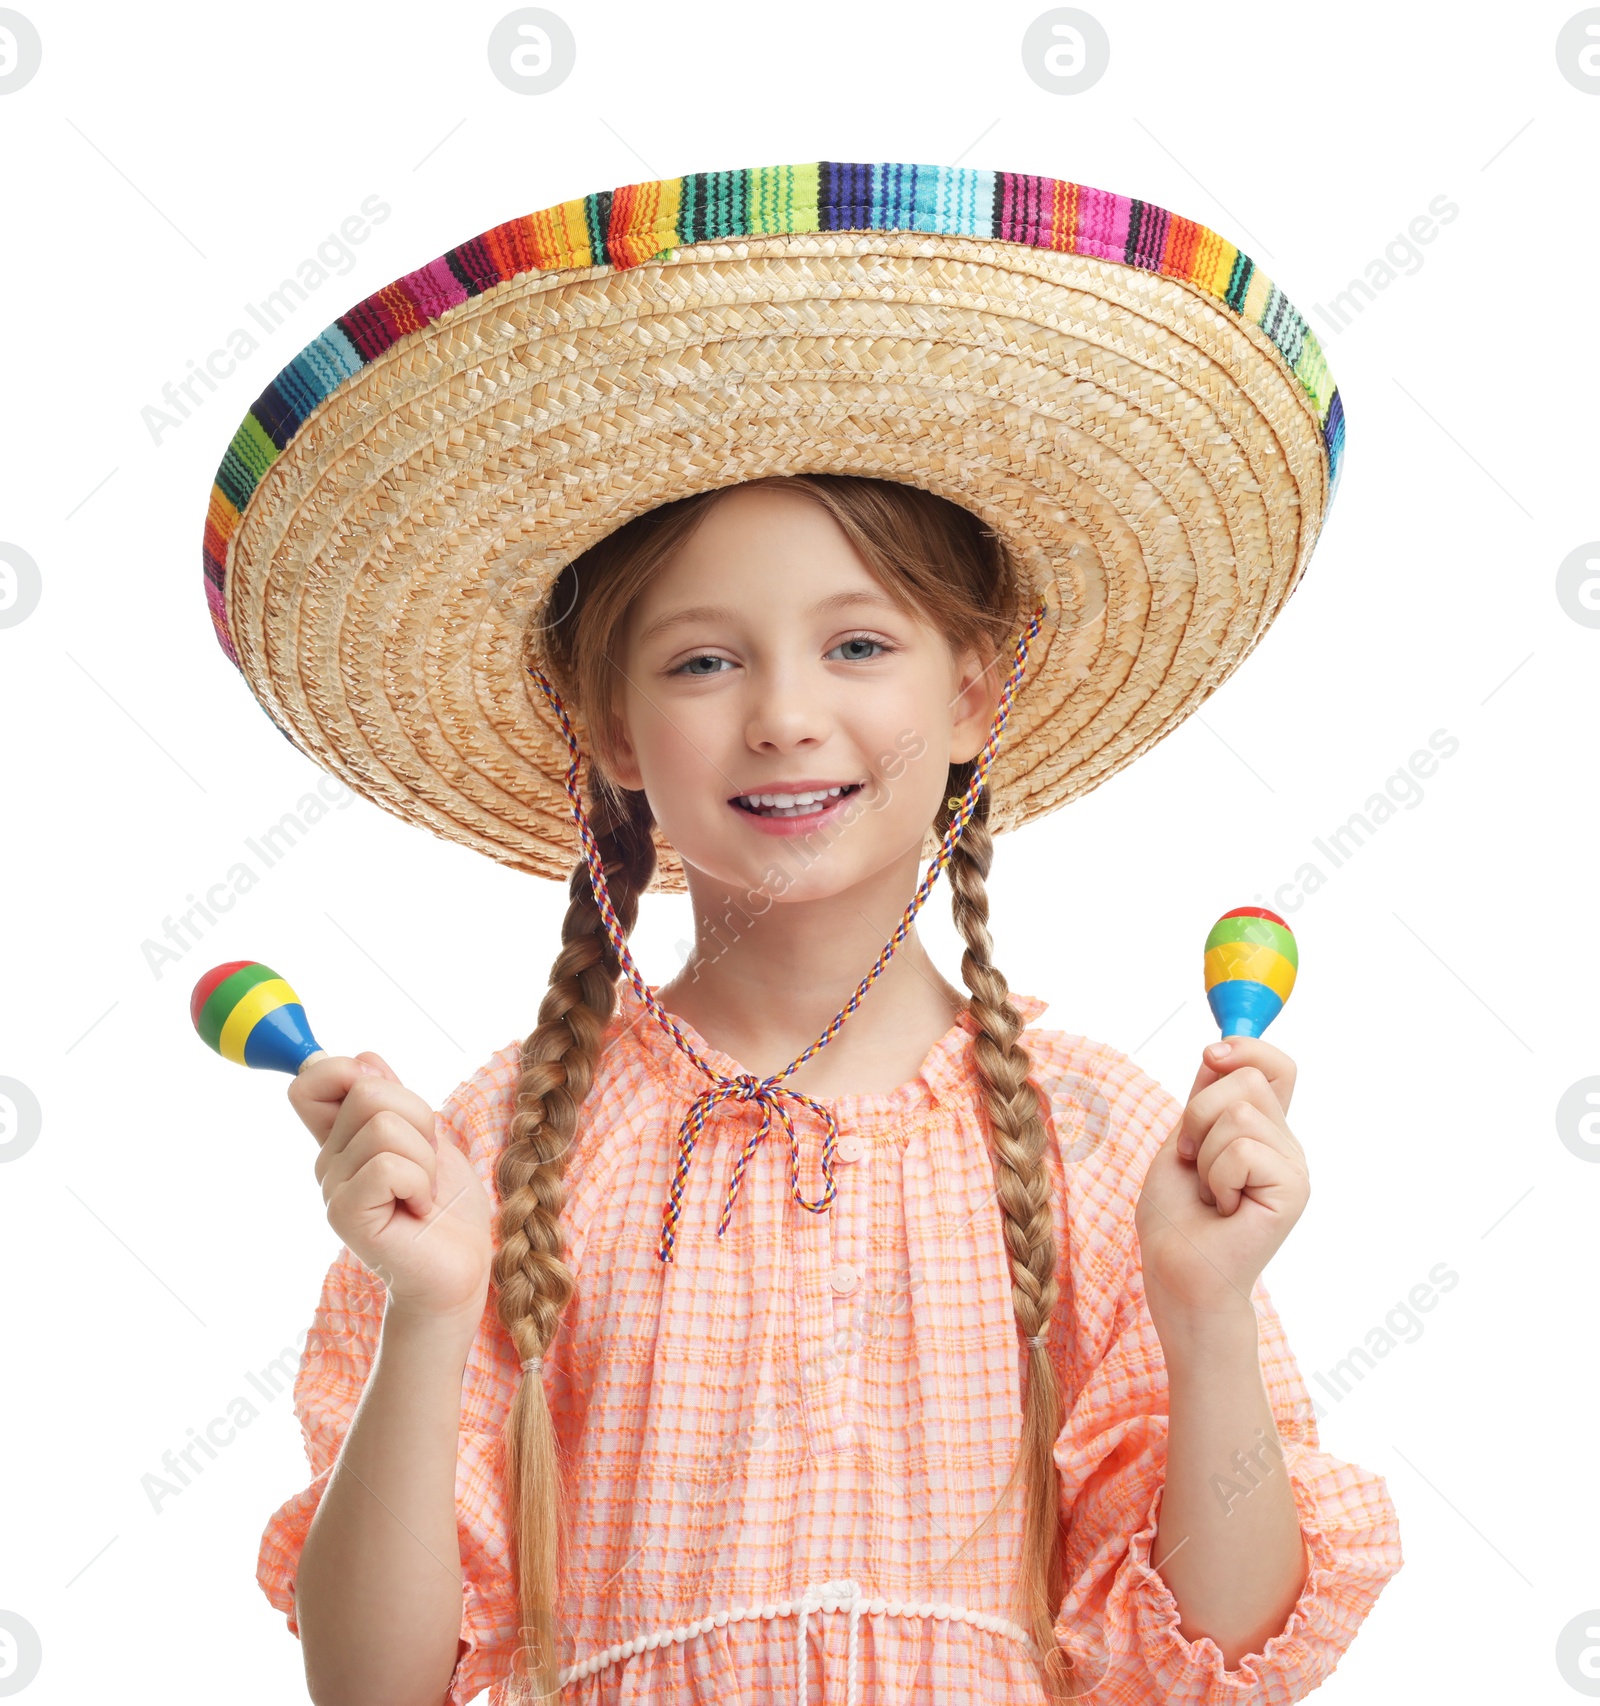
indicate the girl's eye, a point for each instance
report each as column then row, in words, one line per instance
column 691, row 666
column 862, row 640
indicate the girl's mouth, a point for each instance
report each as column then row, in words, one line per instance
column 795, row 811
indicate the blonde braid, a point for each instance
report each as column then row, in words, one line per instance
column 1022, row 1188
column 533, row 1283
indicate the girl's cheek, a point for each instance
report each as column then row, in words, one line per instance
column 894, row 776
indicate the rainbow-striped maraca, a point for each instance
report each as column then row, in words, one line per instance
column 249, row 1015
column 1250, row 964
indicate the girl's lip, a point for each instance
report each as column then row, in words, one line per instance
column 801, row 824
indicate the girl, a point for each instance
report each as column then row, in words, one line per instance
column 1005, row 1413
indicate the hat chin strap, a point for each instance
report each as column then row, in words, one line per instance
column 747, row 1087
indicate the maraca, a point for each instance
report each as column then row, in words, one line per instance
column 1250, row 964
column 249, row 1015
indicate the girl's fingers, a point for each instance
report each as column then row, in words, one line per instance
column 317, row 1093
column 1246, row 1158
column 386, row 1133
column 1277, row 1067
column 363, row 1203
column 368, row 1094
column 1244, row 1084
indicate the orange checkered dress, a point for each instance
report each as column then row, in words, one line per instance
column 778, row 1441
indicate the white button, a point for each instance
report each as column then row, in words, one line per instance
column 849, row 1149
column 844, row 1279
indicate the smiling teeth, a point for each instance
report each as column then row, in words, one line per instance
column 790, row 804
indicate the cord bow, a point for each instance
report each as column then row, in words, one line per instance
column 766, row 1092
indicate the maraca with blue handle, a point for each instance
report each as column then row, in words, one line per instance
column 1250, row 966
column 251, row 1016
column 384, row 1166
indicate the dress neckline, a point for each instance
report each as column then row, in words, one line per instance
column 944, row 1070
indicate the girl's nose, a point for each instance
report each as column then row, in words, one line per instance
column 786, row 710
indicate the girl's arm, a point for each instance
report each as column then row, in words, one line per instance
column 1218, row 1199
column 1228, row 1542
column 378, row 1595
column 377, row 1588
column 1166, row 1388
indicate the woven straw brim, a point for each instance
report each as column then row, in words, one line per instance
column 1151, row 457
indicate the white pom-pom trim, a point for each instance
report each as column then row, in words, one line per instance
column 823, row 1596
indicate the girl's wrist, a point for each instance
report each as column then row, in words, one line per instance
column 431, row 1327
column 1190, row 1335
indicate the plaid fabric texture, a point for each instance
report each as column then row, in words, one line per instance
column 777, row 1442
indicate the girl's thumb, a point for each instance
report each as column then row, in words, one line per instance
column 375, row 1063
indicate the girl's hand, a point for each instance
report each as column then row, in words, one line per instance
column 1209, row 1221
column 408, row 1205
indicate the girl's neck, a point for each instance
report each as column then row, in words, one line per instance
column 762, row 986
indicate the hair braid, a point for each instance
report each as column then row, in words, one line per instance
column 533, row 1284
column 1022, row 1188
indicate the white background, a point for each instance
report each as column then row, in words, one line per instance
column 166, row 1234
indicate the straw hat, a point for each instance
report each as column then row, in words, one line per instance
column 1117, row 390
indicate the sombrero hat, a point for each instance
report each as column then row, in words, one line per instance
column 1117, row 390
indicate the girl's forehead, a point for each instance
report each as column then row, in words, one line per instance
column 764, row 512
column 753, row 551
column 852, row 603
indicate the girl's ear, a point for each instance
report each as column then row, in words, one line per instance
column 973, row 708
column 620, row 764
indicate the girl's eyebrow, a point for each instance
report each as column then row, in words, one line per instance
column 722, row 613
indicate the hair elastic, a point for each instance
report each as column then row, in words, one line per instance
column 532, row 1362
column 1036, row 1339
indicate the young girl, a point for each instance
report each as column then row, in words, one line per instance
column 849, row 1340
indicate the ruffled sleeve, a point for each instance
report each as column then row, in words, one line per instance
column 341, row 1347
column 1119, row 1618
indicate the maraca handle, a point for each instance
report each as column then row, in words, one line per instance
column 1243, row 1009
column 316, row 1054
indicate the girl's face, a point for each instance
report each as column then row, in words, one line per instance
column 764, row 658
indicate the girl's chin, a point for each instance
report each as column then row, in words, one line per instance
column 797, row 869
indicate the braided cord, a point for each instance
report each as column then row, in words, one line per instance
column 766, row 1092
